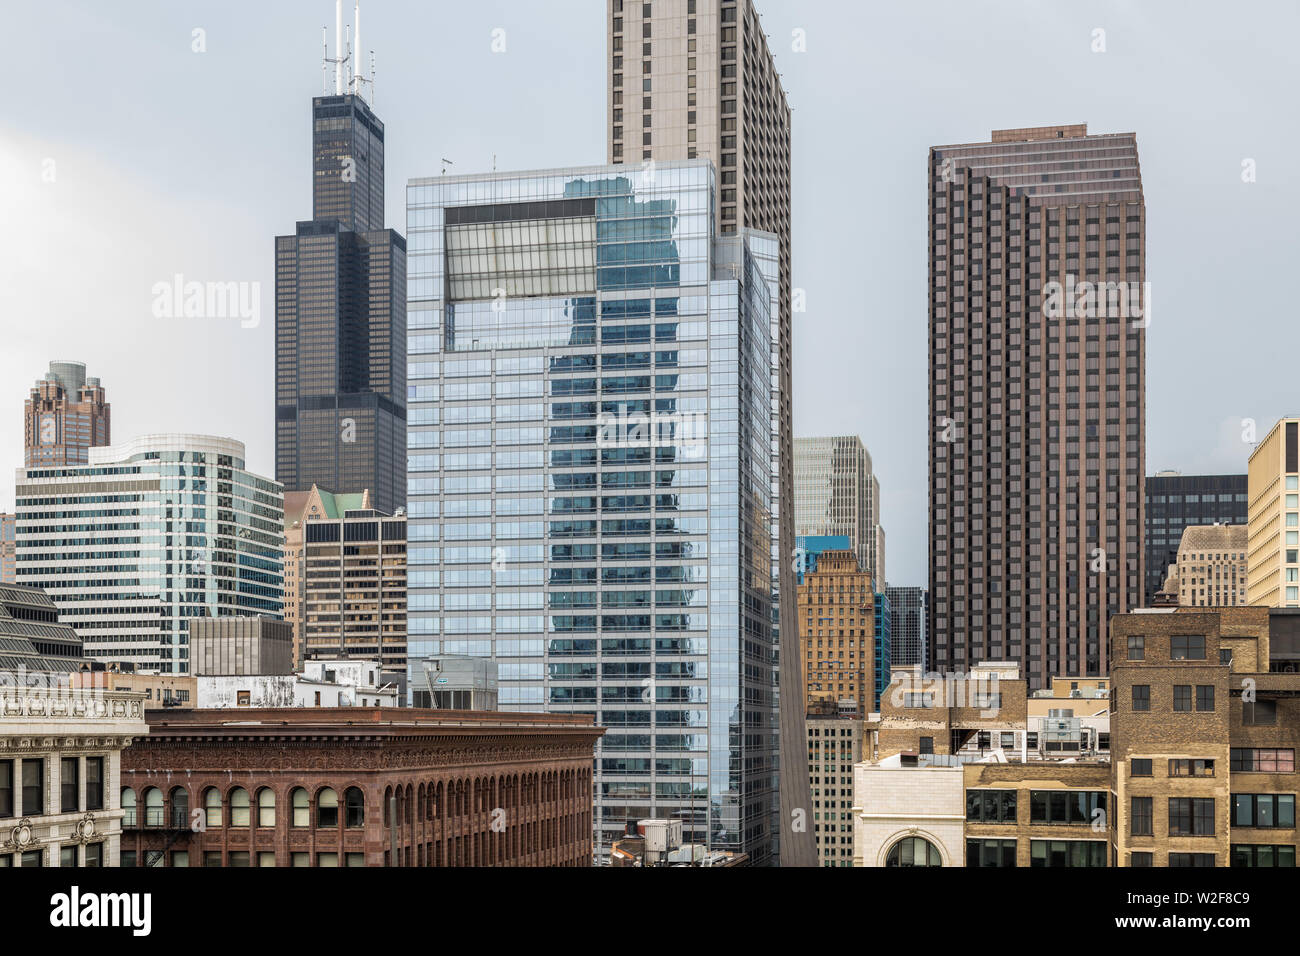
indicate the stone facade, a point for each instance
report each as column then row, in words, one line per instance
column 60, row 758
column 309, row 788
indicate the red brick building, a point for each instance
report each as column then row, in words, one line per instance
column 308, row 787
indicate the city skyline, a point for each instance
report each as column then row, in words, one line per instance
column 219, row 204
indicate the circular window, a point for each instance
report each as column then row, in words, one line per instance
column 913, row 851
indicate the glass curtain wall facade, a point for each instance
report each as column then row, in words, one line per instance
column 148, row 536
column 908, row 609
column 589, row 487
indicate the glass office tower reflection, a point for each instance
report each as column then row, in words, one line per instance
column 589, row 475
column 147, row 536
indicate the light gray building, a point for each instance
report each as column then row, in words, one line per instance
column 590, row 454
column 147, row 537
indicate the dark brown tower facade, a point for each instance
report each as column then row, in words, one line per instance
column 1038, row 310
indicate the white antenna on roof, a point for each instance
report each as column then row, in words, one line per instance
column 340, row 57
column 359, row 78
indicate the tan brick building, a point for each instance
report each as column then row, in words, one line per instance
column 836, row 617
column 1205, row 722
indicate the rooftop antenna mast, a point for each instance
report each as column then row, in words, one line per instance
column 359, row 78
column 341, row 55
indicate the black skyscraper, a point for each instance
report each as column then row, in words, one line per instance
column 340, row 320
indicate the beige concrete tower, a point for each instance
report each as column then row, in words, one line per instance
column 1273, row 531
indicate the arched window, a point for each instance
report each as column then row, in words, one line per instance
column 327, row 808
column 239, row 807
column 153, row 807
column 301, row 811
column 180, row 808
column 212, row 806
column 266, row 807
column 354, row 805
column 913, row 851
column 128, row 805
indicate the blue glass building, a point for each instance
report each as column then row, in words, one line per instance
column 589, row 479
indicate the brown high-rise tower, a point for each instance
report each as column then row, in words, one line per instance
column 695, row 78
column 1037, row 398
column 65, row 416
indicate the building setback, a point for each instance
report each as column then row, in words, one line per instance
column 307, row 787
column 695, row 79
column 1036, row 398
column 340, row 320
column 65, row 416
column 590, row 494
column 1175, row 502
column 147, row 537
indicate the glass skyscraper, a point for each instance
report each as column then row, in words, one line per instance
column 340, row 302
column 146, row 537
column 590, row 455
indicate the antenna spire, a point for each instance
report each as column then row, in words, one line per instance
column 340, row 57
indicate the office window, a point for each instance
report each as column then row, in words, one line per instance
column 1264, row 810
column 1141, row 697
column 94, row 783
column 1191, row 767
column 6, row 788
column 1183, row 647
column 68, row 855
column 354, row 859
column 33, row 857
column 33, row 788
column 301, row 811
column 1205, row 697
column 1137, row 647
column 927, row 745
column 990, row 852
column 1261, row 760
column 212, row 809
column 181, row 858
column 1066, row 807
column 238, row 858
column 1191, row 816
column 300, row 859
column 1183, row 697
column 212, row 858
column 1250, row 854
column 1056, row 853
column 327, row 859
column 69, row 785
column 1139, row 767
column 1141, row 817
column 991, row 806
column 1141, row 859
column 1191, row 859
column 239, row 808
column 327, row 811
column 94, row 855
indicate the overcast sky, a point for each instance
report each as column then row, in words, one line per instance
column 127, row 158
